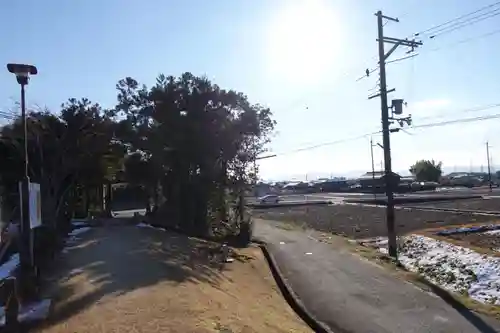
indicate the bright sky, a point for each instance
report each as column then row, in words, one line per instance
column 300, row 57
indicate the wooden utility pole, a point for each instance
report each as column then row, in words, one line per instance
column 389, row 176
column 489, row 166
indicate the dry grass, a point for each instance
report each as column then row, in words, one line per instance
column 141, row 280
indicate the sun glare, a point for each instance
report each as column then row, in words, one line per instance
column 302, row 40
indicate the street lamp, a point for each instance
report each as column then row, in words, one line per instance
column 22, row 73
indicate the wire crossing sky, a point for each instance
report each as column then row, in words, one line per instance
column 302, row 58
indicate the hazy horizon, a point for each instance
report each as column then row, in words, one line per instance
column 356, row 173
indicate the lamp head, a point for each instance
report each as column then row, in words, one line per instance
column 22, row 72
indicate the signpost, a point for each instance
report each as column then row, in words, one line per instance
column 35, row 214
column 35, row 205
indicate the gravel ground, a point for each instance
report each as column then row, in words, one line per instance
column 472, row 204
column 359, row 221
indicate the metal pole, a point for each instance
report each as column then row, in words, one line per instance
column 255, row 175
column 26, row 251
column 373, row 169
column 489, row 167
column 391, row 234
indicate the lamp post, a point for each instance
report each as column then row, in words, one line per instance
column 22, row 73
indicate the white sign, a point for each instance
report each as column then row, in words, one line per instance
column 35, row 205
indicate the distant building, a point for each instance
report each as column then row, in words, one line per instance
column 376, row 179
column 468, row 179
column 331, row 185
column 407, row 180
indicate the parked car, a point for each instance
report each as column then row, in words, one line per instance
column 269, row 199
column 424, row 186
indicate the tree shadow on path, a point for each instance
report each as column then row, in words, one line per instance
column 110, row 261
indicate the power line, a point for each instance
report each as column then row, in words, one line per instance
column 436, row 30
column 457, row 121
column 465, row 24
column 402, row 58
column 324, row 144
column 466, row 40
column 429, row 30
column 370, row 71
column 474, row 109
column 366, row 135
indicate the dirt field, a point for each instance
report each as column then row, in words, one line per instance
column 472, row 204
column 129, row 279
column 359, row 221
column 481, row 240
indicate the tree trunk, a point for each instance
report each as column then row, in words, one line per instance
column 107, row 199
column 87, row 200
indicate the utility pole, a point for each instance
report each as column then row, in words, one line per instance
column 386, row 121
column 373, row 169
column 489, row 167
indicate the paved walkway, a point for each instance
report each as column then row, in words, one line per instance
column 349, row 294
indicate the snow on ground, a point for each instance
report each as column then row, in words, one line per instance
column 493, row 232
column 453, row 267
column 78, row 231
column 76, row 223
column 9, row 266
column 30, row 312
column 145, row 225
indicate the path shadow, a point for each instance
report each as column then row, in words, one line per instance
column 115, row 261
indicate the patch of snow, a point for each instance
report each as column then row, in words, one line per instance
column 71, row 241
column 145, row 225
column 374, row 242
column 79, row 231
column 455, row 268
column 383, row 250
column 75, row 271
column 382, row 242
column 30, row 312
column 79, row 224
column 9, row 266
column 493, row 232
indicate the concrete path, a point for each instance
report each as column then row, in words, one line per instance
column 349, row 294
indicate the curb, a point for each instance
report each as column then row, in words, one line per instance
column 289, row 295
column 410, row 200
column 455, row 210
column 291, row 204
